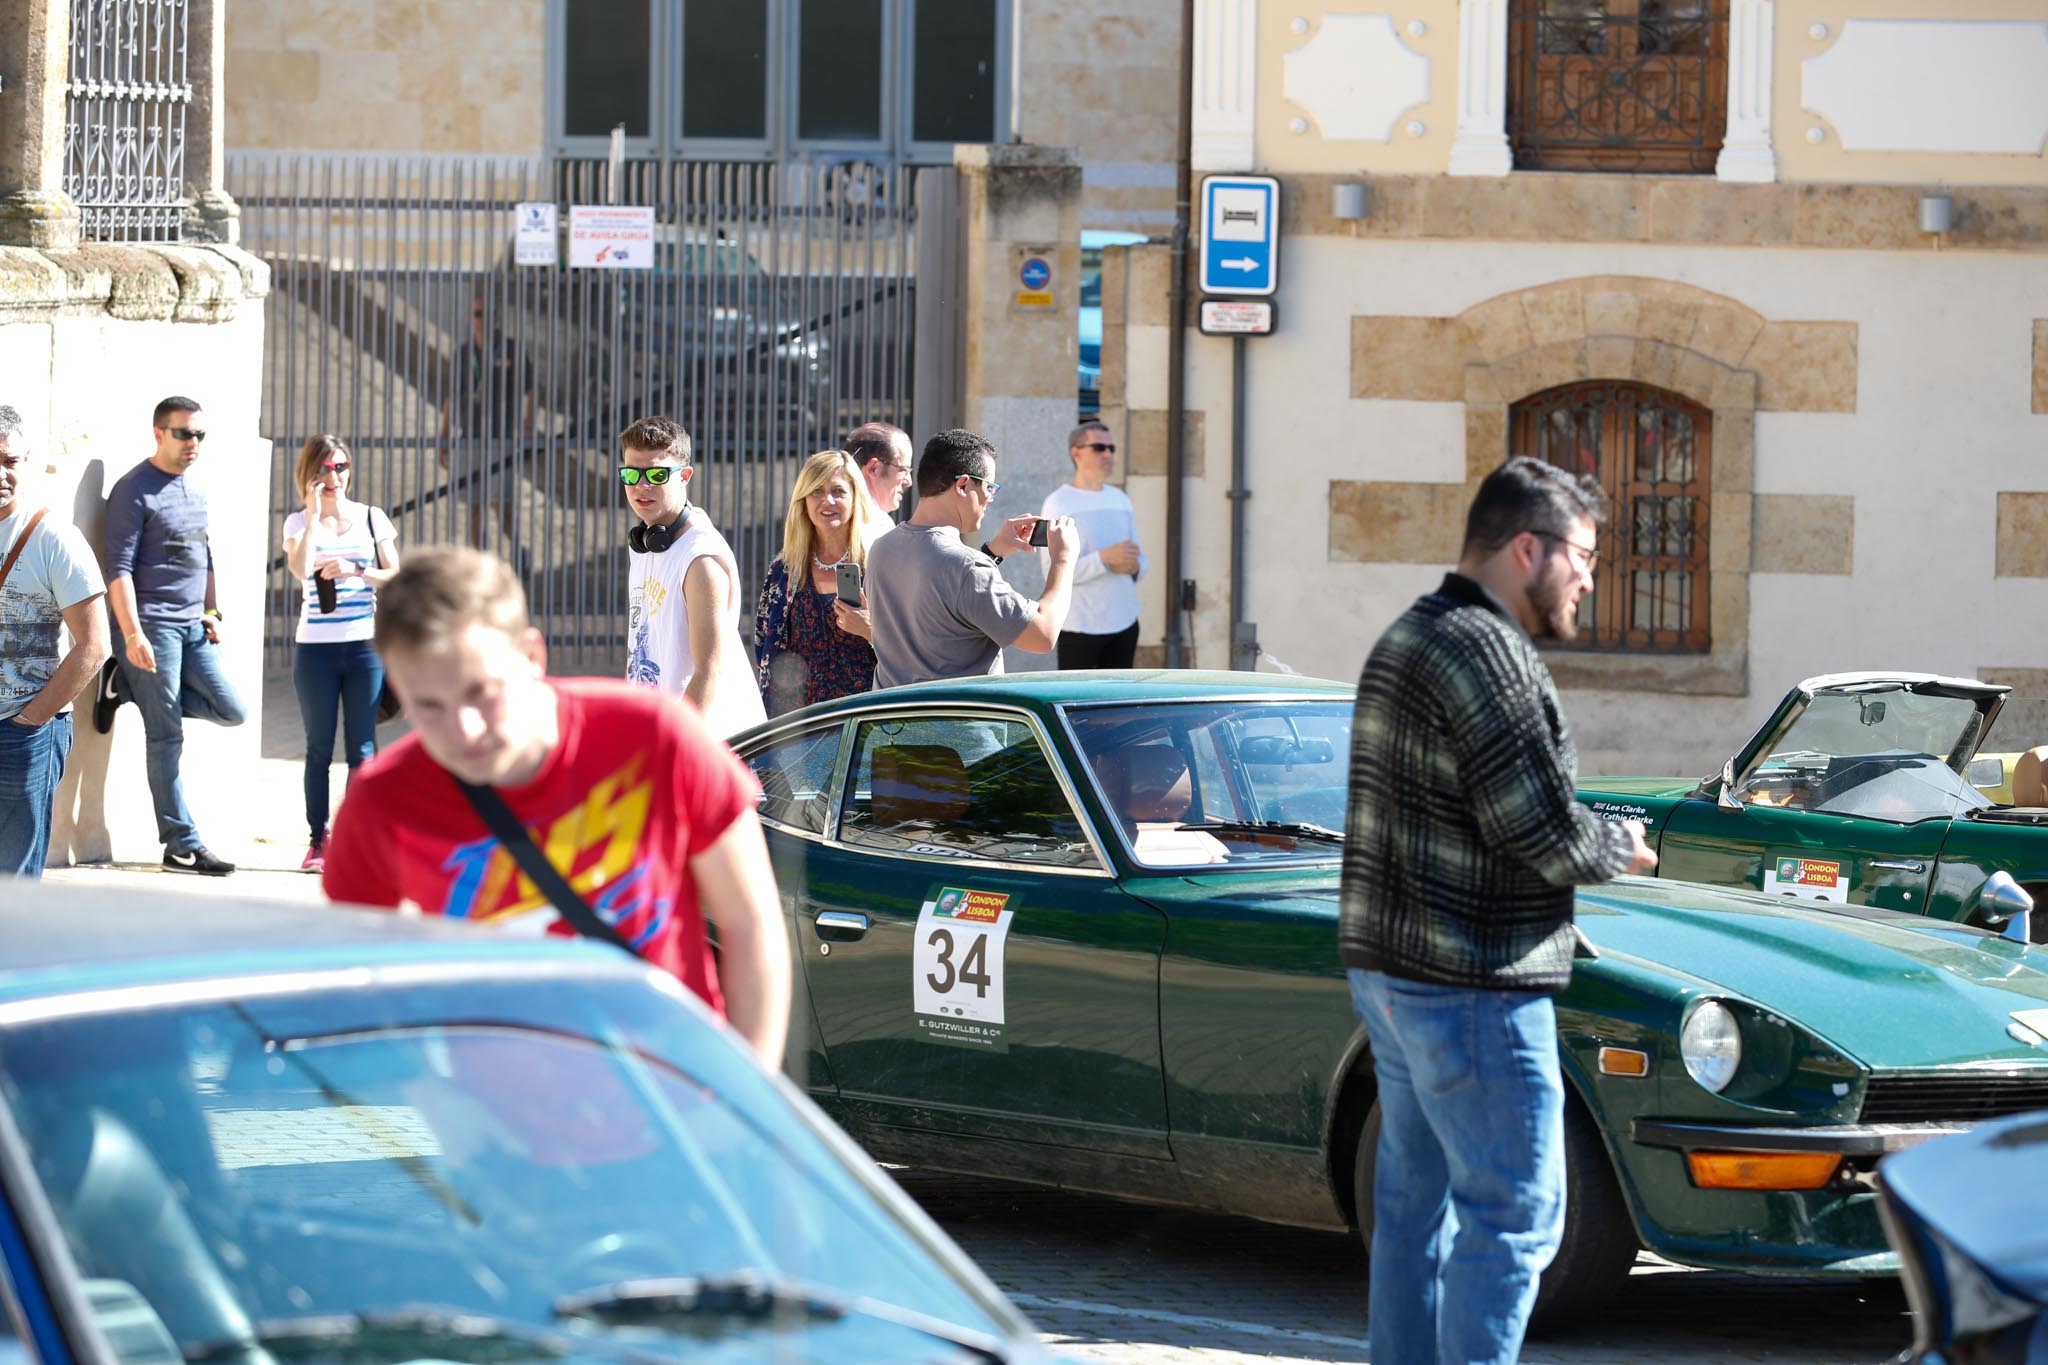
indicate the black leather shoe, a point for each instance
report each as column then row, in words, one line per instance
column 197, row 860
column 107, row 696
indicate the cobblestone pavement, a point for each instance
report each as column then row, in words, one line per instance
column 1105, row 1281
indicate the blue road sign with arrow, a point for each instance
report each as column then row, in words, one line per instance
column 1240, row 234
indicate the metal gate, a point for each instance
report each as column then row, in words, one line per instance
column 482, row 399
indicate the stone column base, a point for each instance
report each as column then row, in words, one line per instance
column 40, row 219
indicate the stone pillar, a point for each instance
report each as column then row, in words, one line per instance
column 1482, row 144
column 35, row 47
column 1226, row 84
column 1019, row 204
column 1746, row 149
column 210, row 215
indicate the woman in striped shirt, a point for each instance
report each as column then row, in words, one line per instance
column 340, row 550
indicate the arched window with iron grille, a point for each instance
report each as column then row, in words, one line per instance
column 1652, row 453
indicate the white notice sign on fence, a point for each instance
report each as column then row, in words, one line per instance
column 533, row 237
column 611, row 236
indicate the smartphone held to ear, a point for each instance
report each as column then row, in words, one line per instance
column 848, row 585
column 1038, row 533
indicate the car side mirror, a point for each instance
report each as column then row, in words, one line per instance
column 2004, row 905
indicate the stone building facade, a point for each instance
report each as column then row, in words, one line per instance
column 1823, row 423
column 486, row 77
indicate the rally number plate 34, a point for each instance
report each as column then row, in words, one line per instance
column 956, row 969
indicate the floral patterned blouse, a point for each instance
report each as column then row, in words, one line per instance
column 801, row 654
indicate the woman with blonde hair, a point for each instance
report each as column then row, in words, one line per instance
column 808, row 645
column 341, row 551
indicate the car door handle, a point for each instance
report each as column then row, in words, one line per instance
column 1900, row 865
column 843, row 925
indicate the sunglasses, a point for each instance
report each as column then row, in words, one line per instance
column 337, row 467
column 1099, row 447
column 186, row 433
column 658, row 474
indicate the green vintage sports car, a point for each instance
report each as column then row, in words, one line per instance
column 1858, row 790
column 1080, row 929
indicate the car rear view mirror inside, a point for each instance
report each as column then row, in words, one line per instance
column 1281, row 749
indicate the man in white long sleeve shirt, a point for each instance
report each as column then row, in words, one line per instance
column 1102, row 624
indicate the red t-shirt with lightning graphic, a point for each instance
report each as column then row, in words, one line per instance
column 634, row 789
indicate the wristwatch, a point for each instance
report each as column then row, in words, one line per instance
column 990, row 553
column 214, row 612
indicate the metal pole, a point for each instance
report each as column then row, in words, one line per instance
column 1244, row 636
column 1177, row 337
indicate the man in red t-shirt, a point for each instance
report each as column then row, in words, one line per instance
column 648, row 815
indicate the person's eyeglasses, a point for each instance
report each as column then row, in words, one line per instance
column 902, row 469
column 338, row 467
column 658, row 474
column 990, row 484
column 1099, row 447
column 1588, row 558
column 186, row 433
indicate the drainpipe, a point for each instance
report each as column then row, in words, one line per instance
column 1179, row 596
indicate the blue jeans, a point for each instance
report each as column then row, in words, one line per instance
column 1468, row 1193
column 31, row 761
column 344, row 673
column 188, row 682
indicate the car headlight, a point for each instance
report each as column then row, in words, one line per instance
column 1711, row 1044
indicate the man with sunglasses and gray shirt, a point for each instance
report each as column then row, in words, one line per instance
column 160, row 585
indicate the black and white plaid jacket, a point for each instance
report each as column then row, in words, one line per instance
column 1463, row 840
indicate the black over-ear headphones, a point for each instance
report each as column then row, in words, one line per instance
column 653, row 540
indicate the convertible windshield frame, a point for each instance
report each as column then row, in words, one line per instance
column 1307, row 853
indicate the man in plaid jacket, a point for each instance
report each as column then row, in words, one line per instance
column 1463, row 845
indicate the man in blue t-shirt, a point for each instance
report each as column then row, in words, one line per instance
column 160, row 585
column 48, row 584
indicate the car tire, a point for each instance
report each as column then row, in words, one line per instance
column 1599, row 1243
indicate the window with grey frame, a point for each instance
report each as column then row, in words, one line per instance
column 892, row 81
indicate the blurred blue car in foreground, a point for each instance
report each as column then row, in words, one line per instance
column 252, row 1134
column 1970, row 1223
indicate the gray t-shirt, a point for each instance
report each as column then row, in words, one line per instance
column 56, row 570
column 940, row 610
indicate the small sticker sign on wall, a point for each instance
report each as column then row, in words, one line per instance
column 1034, row 280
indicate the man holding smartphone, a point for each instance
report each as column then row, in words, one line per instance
column 940, row 609
column 1102, row 627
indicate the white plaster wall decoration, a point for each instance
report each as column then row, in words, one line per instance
column 1224, row 116
column 1356, row 77
column 1481, row 147
column 1933, row 85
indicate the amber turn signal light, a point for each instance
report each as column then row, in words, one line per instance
column 1762, row 1170
column 1624, row 1061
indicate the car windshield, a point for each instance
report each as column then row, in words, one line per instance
column 1221, row 782
column 1881, row 755
column 483, row 1148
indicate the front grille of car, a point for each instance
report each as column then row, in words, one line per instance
column 1955, row 1098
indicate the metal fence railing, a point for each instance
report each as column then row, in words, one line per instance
column 482, row 399
column 127, row 88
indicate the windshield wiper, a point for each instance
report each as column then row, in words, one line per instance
column 683, row 1301
column 1297, row 829
column 427, row 1330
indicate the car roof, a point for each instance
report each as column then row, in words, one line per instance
column 1085, row 686
column 64, row 939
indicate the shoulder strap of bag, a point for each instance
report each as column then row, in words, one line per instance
column 549, row 882
column 21, row 542
column 376, row 540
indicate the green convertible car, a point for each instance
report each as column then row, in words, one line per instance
column 1080, row 929
column 1861, row 789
